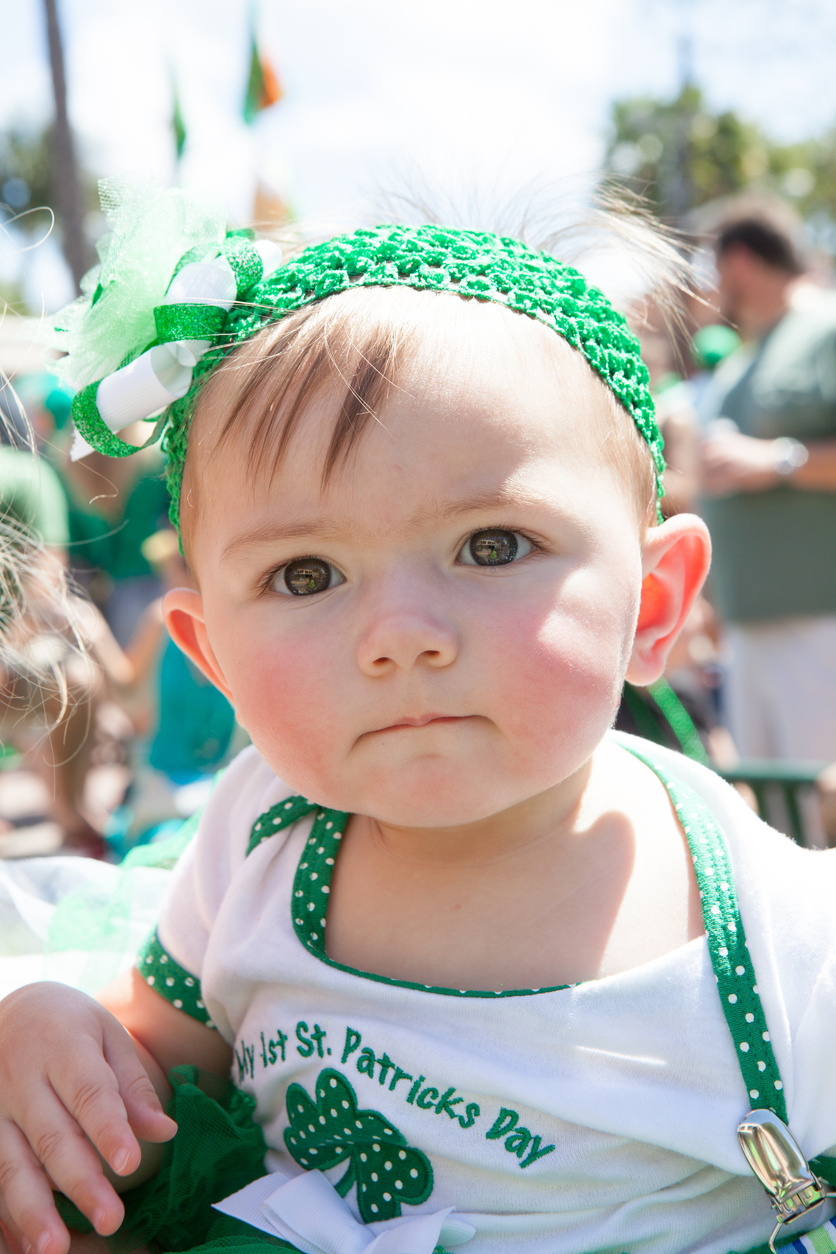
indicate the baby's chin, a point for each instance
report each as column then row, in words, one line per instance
column 432, row 811
column 424, row 796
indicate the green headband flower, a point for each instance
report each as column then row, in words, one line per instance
column 213, row 292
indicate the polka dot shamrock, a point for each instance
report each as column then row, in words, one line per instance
column 331, row 1130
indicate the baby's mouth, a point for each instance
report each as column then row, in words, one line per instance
column 422, row 720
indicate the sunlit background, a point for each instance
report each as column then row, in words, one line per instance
column 312, row 109
column 312, row 115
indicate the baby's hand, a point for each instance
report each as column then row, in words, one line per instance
column 69, row 1076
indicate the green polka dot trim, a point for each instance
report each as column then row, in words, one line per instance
column 173, row 982
column 279, row 816
column 312, row 887
column 736, row 980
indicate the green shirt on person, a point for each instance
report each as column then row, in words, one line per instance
column 115, row 544
column 775, row 551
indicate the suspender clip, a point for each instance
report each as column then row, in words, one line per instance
column 776, row 1159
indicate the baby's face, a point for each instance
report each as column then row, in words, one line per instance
column 443, row 631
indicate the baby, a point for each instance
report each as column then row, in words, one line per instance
column 461, row 945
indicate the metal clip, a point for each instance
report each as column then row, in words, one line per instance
column 775, row 1158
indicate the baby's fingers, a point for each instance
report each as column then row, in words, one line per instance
column 74, row 1168
column 27, row 1211
column 87, row 1088
column 141, row 1100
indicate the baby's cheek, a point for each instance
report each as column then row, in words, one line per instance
column 558, row 683
column 285, row 697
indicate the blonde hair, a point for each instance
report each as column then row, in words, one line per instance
column 36, row 603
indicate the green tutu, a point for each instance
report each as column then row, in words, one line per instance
column 218, row 1149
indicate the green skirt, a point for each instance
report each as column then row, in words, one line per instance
column 218, row 1149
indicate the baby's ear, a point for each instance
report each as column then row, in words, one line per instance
column 675, row 560
column 183, row 614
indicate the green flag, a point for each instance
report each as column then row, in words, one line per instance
column 178, row 126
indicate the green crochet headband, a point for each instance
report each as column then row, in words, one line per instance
column 224, row 288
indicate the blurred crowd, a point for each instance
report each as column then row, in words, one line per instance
column 745, row 385
column 97, row 704
column 746, row 396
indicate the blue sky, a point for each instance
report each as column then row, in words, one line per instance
column 387, row 93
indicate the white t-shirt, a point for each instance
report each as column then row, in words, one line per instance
column 600, row 1117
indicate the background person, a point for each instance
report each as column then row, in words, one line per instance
column 769, row 496
column 56, row 651
column 185, row 729
column 114, row 507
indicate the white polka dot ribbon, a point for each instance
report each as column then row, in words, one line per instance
column 308, row 1212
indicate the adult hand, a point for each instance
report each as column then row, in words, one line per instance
column 70, row 1080
column 732, row 462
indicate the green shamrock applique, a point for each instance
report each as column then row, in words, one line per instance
column 331, row 1129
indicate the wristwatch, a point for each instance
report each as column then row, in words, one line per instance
column 788, row 456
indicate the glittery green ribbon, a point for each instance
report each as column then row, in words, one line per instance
column 188, row 322
column 92, row 427
column 245, row 262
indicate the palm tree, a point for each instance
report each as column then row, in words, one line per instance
column 65, row 169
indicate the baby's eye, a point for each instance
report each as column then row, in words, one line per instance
column 306, row 575
column 494, row 547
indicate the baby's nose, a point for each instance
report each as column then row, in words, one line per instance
column 402, row 639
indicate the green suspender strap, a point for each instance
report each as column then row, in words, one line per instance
column 736, row 981
column 660, row 717
column 737, row 986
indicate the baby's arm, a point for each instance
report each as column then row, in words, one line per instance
column 70, row 1075
column 170, row 1036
